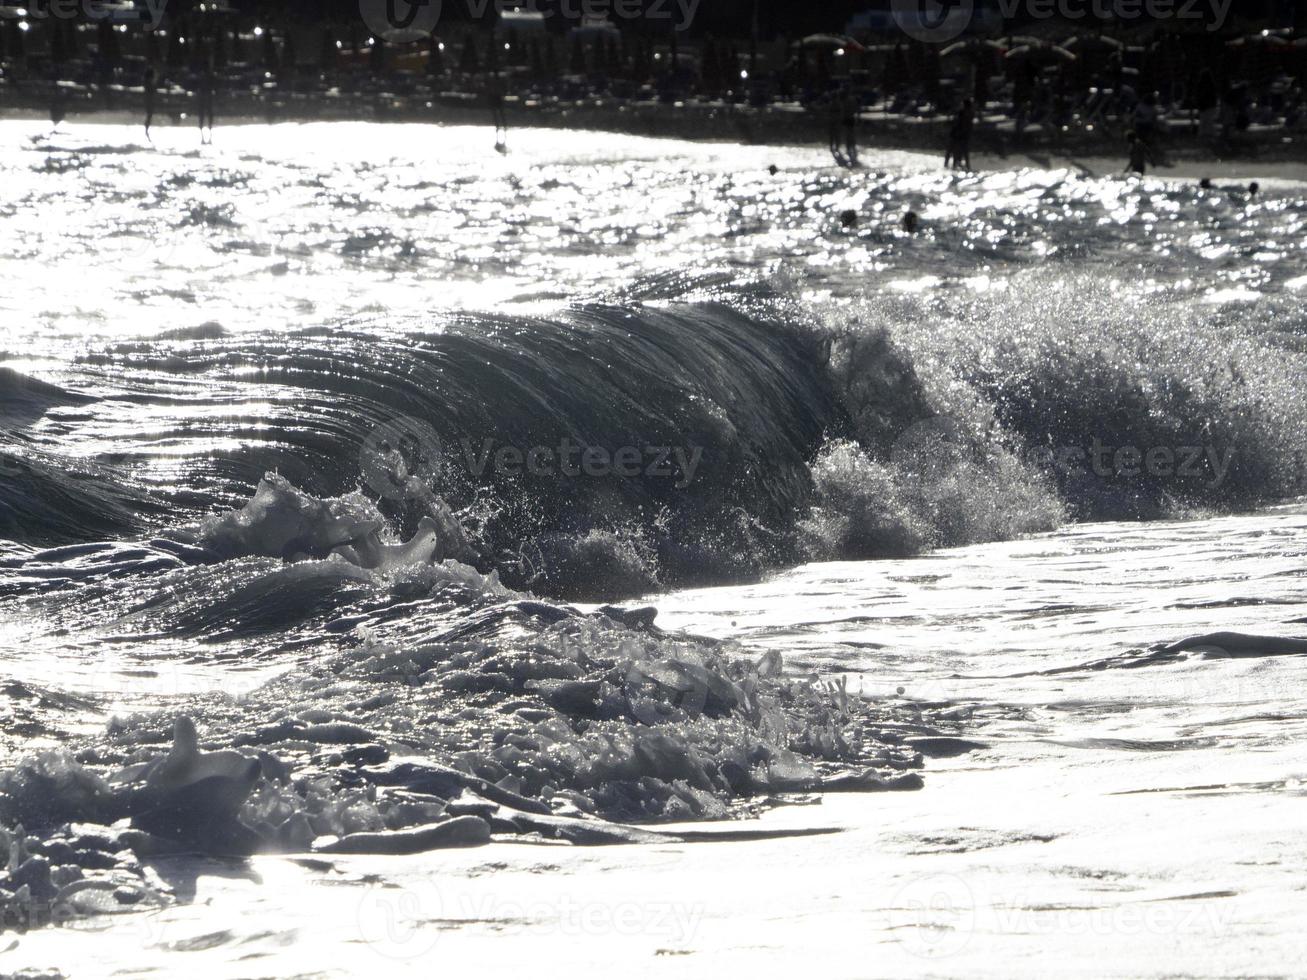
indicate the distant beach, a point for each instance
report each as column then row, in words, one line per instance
column 783, row 125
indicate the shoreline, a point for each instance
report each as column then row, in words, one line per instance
column 780, row 126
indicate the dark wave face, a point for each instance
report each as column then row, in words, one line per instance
column 641, row 442
column 610, row 450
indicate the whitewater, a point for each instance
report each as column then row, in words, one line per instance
column 608, row 555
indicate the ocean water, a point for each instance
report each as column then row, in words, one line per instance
column 368, row 451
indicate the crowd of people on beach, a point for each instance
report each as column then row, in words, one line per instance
column 1233, row 95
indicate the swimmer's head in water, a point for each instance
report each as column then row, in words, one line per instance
column 1253, row 188
column 849, row 219
column 772, row 169
column 910, row 222
column 1205, row 183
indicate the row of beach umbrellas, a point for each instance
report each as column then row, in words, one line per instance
column 1021, row 46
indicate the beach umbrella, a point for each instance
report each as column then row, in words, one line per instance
column 975, row 46
column 1260, row 39
column 1041, row 50
column 1093, row 41
column 403, row 35
column 831, row 42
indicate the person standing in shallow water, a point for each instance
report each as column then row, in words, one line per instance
column 150, row 84
column 204, row 100
column 849, row 125
column 1140, row 157
column 833, row 127
column 495, row 96
column 959, row 138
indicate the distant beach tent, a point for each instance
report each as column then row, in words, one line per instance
column 1093, row 41
column 523, row 21
column 1034, row 48
column 1263, row 39
column 972, row 46
column 404, row 35
column 830, row 41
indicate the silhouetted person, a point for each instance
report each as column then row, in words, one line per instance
column 849, row 219
column 495, row 96
column 1205, row 183
column 150, row 85
column 771, row 169
column 1140, row 157
column 910, row 222
column 959, row 137
column 1146, row 118
column 204, row 101
column 833, row 128
column 849, row 125
column 58, row 105
column 1253, row 188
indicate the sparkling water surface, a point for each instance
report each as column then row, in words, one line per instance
column 1116, row 817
